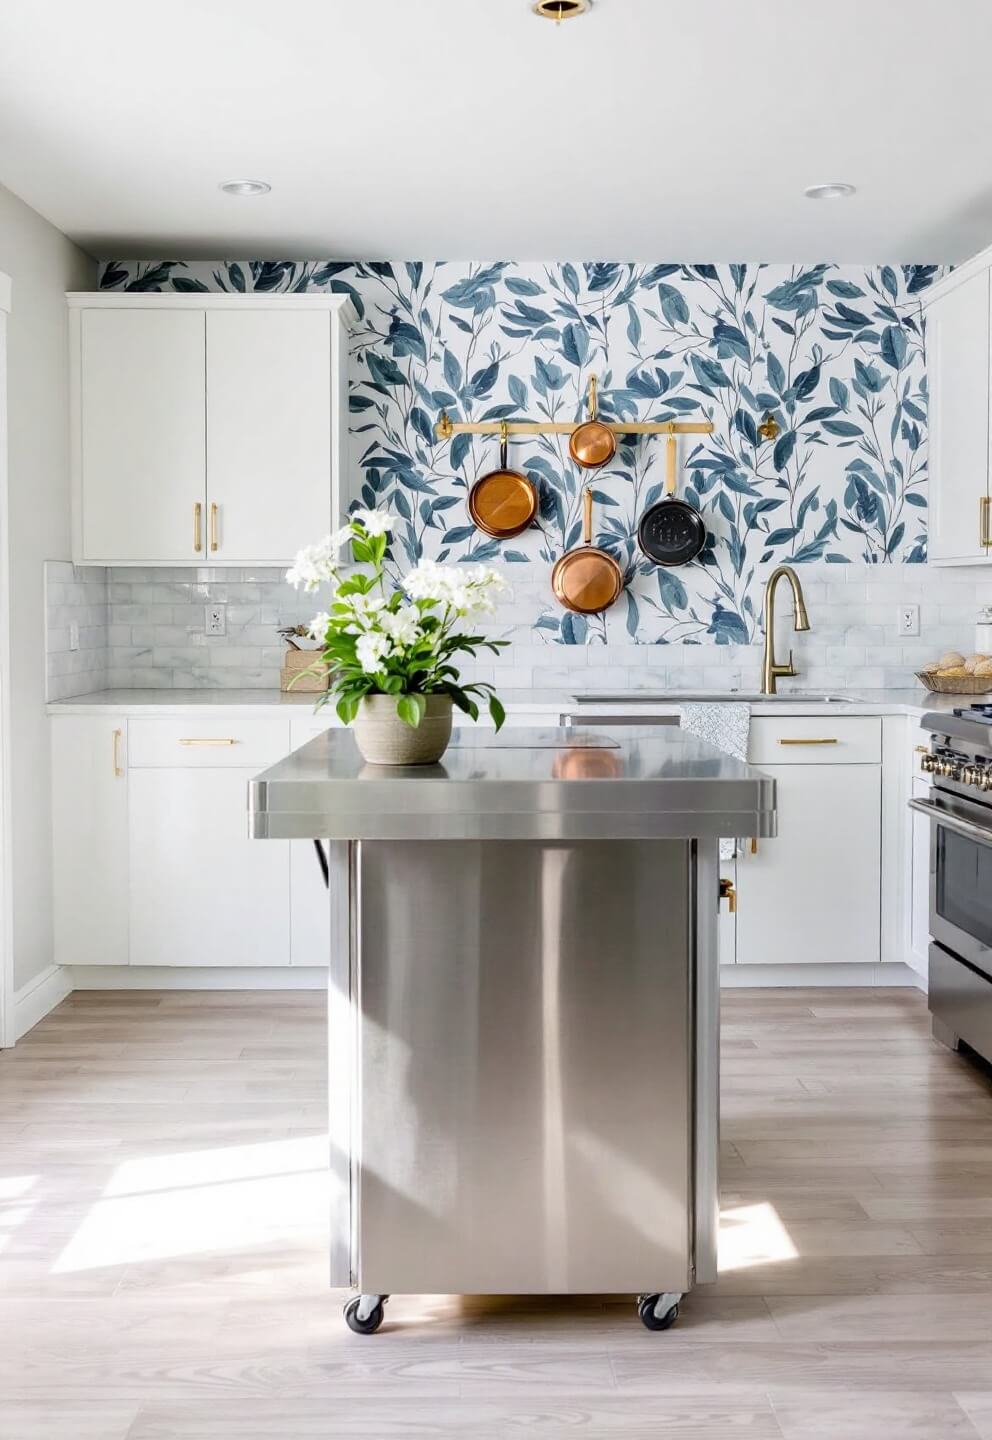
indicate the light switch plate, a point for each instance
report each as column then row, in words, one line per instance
column 909, row 619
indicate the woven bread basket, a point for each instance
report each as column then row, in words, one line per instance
column 955, row 684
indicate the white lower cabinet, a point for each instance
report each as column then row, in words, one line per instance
column 89, row 825
column 919, row 910
column 812, row 896
column 202, row 892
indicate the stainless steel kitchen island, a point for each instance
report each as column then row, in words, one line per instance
column 523, row 1008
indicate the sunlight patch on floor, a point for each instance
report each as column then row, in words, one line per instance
column 203, row 1201
column 753, row 1235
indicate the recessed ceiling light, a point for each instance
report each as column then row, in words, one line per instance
column 245, row 187
column 561, row 9
column 836, row 190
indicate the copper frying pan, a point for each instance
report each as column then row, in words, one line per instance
column 592, row 444
column 586, row 580
column 503, row 502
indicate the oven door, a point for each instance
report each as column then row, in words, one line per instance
column 960, row 877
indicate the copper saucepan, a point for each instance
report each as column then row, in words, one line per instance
column 586, row 580
column 503, row 502
column 592, row 444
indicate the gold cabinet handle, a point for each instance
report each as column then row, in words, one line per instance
column 984, row 504
column 118, row 767
column 828, row 740
column 197, row 527
column 729, row 893
column 206, row 740
column 213, row 527
column 754, row 844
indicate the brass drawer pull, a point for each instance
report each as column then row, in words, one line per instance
column 118, row 767
column 197, row 527
column 984, row 538
column 206, row 740
column 829, row 740
column 213, row 527
column 728, row 892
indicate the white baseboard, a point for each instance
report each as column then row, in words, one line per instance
column 39, row 996
column 194, row 977
column 742, row 977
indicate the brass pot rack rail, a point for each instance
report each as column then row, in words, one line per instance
column 446, row 427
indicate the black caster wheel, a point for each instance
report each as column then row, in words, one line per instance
column 363, row 1325
column 649, row 1316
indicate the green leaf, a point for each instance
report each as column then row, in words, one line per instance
column 347, row 708
column 497, row 712
column 410, row 709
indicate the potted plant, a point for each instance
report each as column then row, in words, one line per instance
column 389, row 645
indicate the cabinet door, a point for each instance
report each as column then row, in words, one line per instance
column 89, row 836
column 958, row 371
column 268, row 433
column 142, row 463
column 919, row 943
column 202, row 893
column 812, row 895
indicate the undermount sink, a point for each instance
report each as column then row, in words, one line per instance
column 715, row 697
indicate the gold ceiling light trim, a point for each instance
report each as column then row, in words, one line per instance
column 558, row 10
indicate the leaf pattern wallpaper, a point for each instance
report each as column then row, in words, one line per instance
column 834, row 353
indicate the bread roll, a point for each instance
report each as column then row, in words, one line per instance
column 955, row 671
column 984, row 667
column 972, row 663
column 951, row 660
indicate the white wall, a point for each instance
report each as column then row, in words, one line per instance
column 42, row 264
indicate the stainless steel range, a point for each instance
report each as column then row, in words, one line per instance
column 960, row 812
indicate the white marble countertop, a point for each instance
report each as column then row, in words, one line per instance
column 913, row 700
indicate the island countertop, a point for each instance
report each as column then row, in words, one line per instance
column 522, row 784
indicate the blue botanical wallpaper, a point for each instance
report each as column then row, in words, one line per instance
column 834, row 353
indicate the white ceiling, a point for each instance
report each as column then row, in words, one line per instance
column 662, row 129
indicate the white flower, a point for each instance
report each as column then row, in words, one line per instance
column 466, row 589
column 403, row 625
column 370, row 649
column 365, row 609
column 376, row 522
column 315, row 565
column 319, row 624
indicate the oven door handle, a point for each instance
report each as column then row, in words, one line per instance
column 953, row 822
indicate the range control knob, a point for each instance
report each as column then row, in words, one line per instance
column 949, row 769
column 971, row 775
column 986, row 778
column 928, row 763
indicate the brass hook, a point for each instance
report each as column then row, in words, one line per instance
column 592, row 397
column 445, row 428
column 769, row 429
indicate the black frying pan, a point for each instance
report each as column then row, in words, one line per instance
column 671, row 532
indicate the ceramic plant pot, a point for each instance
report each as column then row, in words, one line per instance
column 384, row 739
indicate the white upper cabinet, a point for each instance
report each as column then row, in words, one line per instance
column 141, row 435
column 958, row 339
column 268, row 431
column 207, row 429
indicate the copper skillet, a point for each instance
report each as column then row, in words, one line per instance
column 586, row 580
column 592, row 444
column 503, row 502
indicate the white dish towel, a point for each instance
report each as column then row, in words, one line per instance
column 727, row 725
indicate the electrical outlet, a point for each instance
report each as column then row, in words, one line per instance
column 216, row 619
column 73, row 635
column 909, row 619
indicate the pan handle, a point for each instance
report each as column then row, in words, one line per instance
column 671, row 463
column 504, row 431
column 592, row 397
column 587, row 515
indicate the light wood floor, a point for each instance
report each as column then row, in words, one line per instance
column 162, row 1246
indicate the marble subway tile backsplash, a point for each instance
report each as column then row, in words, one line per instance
column 146, row 629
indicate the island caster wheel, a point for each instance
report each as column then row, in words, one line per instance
column 364, row 1313
column 658, row 1312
